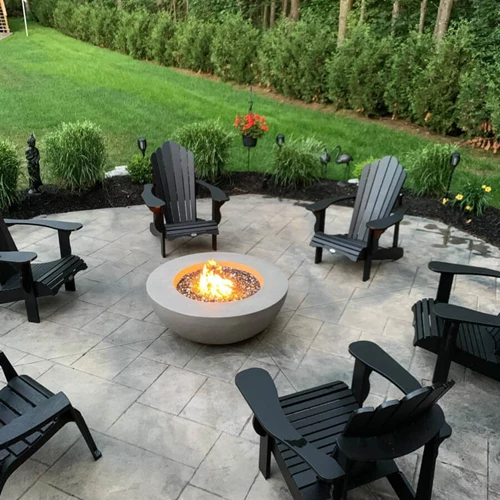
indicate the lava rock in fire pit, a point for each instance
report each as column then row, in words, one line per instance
column 216, row 283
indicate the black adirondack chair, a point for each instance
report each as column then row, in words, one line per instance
column 325, row 443
column 379, row 188
column 172, row 197
column 22, row 280
column 30, row 415
column 456, row 333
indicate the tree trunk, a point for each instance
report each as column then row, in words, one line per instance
column 423, row 12
column 295, row 10
column 396, row 8
column 345, row 8
column 443, row 19
column 362, row 12
column 272, row 15
column 265, row 16
column 285, row 7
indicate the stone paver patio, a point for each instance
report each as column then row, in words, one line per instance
column 165, row 412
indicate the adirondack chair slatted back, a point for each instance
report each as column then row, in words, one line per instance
column 7, row 244
column 378, row 190
column 391, row 415
column 173, row 169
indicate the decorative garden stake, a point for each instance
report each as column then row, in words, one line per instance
column 325, row 160
column 343, row 159
column 142, row 144
column 33, row 160
column 454, row 161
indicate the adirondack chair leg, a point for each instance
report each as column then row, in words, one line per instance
column 82, row 426
column 445, row 354
column 30, row 299
column 426, row 477
column 339, row 491
column 214, row 242
column 265, row 456
column 319, row 255
column 70, row 285
column 401, row 486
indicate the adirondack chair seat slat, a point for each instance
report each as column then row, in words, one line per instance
column 172, row 196
column 198, row 227
column 30, row 415
column 352, row 249
column 22, row 279
column 455, row 333
column 327, row 428
column 374, row 212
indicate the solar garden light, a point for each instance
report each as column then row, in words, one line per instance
column 142, row 144
column 454, row 161
column 280, row 140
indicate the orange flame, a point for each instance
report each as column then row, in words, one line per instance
column 212, row 285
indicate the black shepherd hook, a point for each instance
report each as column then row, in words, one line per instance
column 250, row 102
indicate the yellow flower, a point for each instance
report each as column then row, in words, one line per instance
column 468, row 207
column 484, row 186
column 445, row 201
column 459, row 197
column 487, row 189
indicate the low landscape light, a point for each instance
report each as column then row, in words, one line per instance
column 280, row 140
column 142, row 144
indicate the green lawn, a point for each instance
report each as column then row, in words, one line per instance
column 49, row 78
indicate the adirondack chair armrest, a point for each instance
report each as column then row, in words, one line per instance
column 324, row 204
column 448, row 271
column 215, row 193
column 150, row 199
column 370, row 357
column 387, row 222
column 33, row 420
column 52, row 224
column 17, row 257
column 259, row 391
column 449, row 268
column 457, row 314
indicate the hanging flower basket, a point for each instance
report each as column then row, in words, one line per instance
column 252, row 127
column 249, row 141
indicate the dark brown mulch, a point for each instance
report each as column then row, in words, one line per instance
column 120, row 192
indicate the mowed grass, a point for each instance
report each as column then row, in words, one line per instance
column 49, row 78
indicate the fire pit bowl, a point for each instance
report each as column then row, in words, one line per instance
column 217, row 322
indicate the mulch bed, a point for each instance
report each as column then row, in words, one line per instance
column 120, row 192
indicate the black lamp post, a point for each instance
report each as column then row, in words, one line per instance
column 142, row 144
column 280, row 140
column 454, row 161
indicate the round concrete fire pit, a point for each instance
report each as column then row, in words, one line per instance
column 217, row 322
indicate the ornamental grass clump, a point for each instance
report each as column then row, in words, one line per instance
column 474, row 198
column 429, row 170
column 10, row 166
column 75, row 155
column 296, row 164
column 209, row 142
